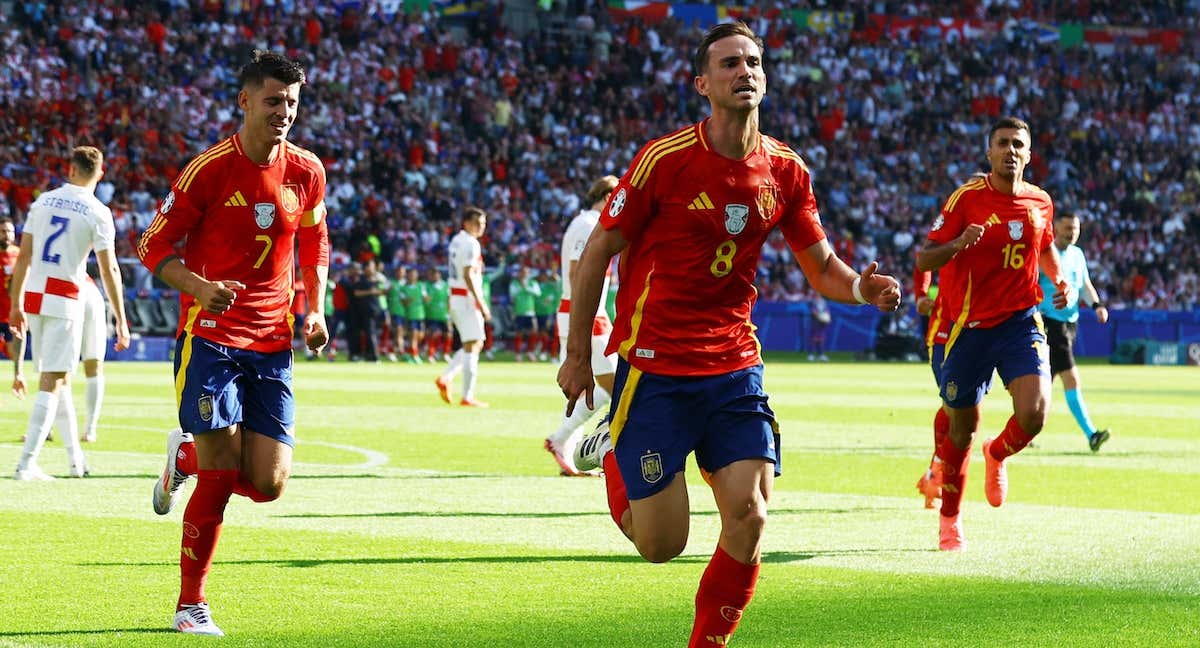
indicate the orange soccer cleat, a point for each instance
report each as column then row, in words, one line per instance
column 995, row 477
column 471, row 402
column 443, row 386
column 950, row 535
column 930, row 483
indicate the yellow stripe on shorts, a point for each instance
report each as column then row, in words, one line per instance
column 622, row 414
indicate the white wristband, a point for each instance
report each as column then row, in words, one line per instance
column 857, row 291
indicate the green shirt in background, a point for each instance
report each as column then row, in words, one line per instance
column 395, row 297
column 415, row 299
column 524, row 295
column 610, row 305
column 551, row 294
column 437, row 306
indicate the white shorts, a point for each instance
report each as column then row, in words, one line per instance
column 95, row 329
column 56, row 342
column 602, row 365
column 467, row 319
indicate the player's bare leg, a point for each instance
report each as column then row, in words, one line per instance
column 1030, row 398
column 742, row 490
column 658, row 525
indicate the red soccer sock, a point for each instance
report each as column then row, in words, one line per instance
column 246, row 488
column 518, row 343
column 201, row 529
column 1010, row 441
column 725, row 589
column 618, row 500
column 185, row 459
column 954, row 475
column 447, row 344
column 941, row 429
column 433, row 343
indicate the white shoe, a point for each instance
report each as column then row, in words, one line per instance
column 196, row 619
column 169, row 485
column 564, row 454
column 80, row 471
column 589, row 455
column 90, row 437
column 32, row 473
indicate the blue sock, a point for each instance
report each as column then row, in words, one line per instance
column 1079, row 411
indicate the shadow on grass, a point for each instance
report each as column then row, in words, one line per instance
column 441, row 514
column 98, row 631
column 415, row 560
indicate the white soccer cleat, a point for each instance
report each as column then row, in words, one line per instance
column 196, row 619
column 80, row 471
column 32, row 473
column 170, row 484
column 589, row 455
column 90, row 437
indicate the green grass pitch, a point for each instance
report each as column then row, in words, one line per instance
column 411, row 523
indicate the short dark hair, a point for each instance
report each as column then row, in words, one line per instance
column 716, row 33
column 1066, row 215
column 265, row 64
column 473, row 213
column 1008, row 122
column 87, row 160
column 5, row 220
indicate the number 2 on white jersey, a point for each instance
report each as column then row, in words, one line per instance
column 59, row 223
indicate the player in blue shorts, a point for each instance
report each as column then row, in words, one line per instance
column 689, row 219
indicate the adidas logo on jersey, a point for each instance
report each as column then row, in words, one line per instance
column 236, row 200
column 702, row 202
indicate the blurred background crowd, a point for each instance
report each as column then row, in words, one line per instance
column 418, row 110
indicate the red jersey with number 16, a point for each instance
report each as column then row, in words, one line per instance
column 241, row 221
column 695, row 223
column 988, row 282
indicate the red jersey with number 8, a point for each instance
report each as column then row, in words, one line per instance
column 240, row 221
column 695, row 223
column 988, row 282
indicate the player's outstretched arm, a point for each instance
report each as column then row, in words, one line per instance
column 831, row 277
column 575, row 375
column 110, row 276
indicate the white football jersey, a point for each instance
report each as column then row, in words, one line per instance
column 574, row 240
column 465, row 256
column 66, row 224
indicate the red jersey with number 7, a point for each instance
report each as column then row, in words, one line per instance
column 987, row 283
column 695, row 223
column 240, row 221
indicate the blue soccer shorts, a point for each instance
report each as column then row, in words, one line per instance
column 656, row 421
column 1016, row 347
column 217, row 386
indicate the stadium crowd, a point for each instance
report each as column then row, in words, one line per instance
column 416, row 115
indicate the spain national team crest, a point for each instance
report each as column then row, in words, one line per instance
column 264, row 214
column 767, row 201
column 1016, row 229
column 205, row 407
column 652, row 468
column 951, row 390
column 289, row 199
column 735, row 218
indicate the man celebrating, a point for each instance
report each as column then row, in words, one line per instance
column 690, row 217
column 988, row 243
column 63, row 228
column 241, row 205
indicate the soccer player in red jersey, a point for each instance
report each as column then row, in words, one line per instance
column 689, row 218
column 13, row 348
column 991, row 238
column 241, row 205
